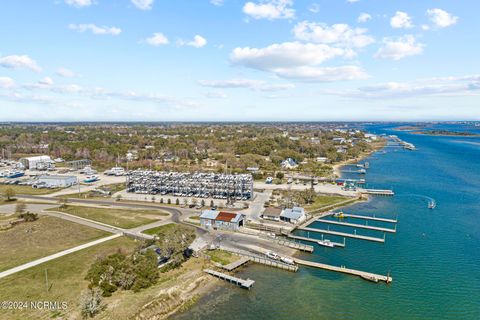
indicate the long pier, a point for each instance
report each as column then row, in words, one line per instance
column 262, row 259
column 337, row 244
column 373, row 218
column 246, row 284
column 378, row 192
column 356, row 225
column 364, row 275
column 343, row 234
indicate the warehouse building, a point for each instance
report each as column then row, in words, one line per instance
column 272, row 213
column 37, row 162
column 213, row 219
column 55, row 181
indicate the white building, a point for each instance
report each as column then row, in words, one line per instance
column 55, row 181
column 35, row 162
column 294, row 215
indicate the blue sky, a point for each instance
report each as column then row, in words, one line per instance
column 257, row 60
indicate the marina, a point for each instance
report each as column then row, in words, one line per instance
column 336, row 244
column 357, row 216
column 356, row 225
column 344, row 234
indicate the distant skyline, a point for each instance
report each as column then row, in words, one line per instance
column 239, row 60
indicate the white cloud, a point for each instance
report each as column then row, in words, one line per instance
column 352, row 1
column 79, row 3
column 6, row 83
column 297, row 61
column 143, row 4
column 314, row 8
column 65, row 73
column 255, row 85
column 270, row 9
column 424, row 87
column 217, row 2
column 67, row 88
column 197, row 42
column 364, row 17
column 401, row 20
column 399, row 48
column 441, row 18
column 157, row 39
column 47, row 81
column 18, row 62
column 103, row 30
column 216, row 95
column 341, row 34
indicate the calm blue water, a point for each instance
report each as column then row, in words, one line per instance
column 434, row 258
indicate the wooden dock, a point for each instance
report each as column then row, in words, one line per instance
column 356, row 225
column 337, row 244
column 246, row 284
column 343, row 234
column 364, row 275
column 373, row 218
column 234, row 265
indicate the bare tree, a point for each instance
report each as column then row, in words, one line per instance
column 91, row 302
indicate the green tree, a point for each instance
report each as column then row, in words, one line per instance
column 280, row 175
column 9, row 193
column 20, row 208
column 177, row 202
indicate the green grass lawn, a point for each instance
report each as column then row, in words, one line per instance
column 65, row 278
column 122, row 218
column 222, row 257
column 26, row 190
column 32, row 240
column 323, row 201
column 160, row 229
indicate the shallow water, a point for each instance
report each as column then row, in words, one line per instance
column 434, row 258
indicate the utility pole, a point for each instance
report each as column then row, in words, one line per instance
column 46, row 279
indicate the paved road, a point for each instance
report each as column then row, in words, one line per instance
column 56, row 255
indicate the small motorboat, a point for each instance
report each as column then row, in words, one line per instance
column 90, row 179
column 326, row 243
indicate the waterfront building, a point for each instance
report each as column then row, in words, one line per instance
column 55, row 181
column 294, row 215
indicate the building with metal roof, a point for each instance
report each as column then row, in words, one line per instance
column 213, row 219
column 294, row 215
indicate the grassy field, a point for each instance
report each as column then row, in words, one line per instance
column 122, row 218
column 323, row 201
column 26, row 189
column 65, row 277
column 47, row 235
column 156, row 230
column 222, row 257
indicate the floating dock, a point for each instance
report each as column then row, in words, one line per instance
column 343, row 234
column 356, row 225
column 295, row 245
column 373, row 218
column 234, row 265
column 246, row 284
column 364, row 275
column 379, row 192
column 337, row 244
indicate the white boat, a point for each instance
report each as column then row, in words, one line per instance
column 89, row 179
column 326, row 243
column 115, row 171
